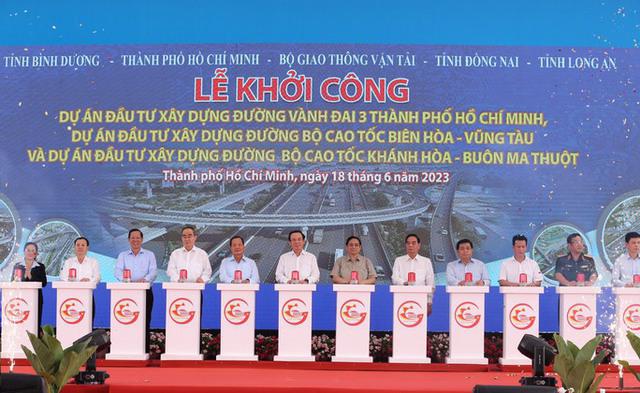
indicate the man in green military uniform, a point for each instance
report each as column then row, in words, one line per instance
column 575, row 262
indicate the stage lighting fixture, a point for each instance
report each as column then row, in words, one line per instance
column 90, row 376
column 541, row 355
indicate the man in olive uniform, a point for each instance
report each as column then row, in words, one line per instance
column 569, row 266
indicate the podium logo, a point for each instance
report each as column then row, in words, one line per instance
column 579, row 316
column 522, row 316
column 126, row 311
column 181, row 311
column 353, row 312
column 410, row 314
column 236, row 311
column 16, row 310
column 72, row 311
column 467, row 315
column 631, row 317
column 294, row 311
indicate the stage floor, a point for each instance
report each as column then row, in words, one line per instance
column 286, row 377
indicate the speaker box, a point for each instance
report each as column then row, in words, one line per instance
column 513, row 389
column 21, row 383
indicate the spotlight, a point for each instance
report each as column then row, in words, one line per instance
column 90, row 376
column 541, row 355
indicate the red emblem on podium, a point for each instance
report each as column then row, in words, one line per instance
column 236, row 311
column 522, row 316
column 126, row 311
column 579, row 316
column 295, row 311
column 631, row 317
column 72, row 311
column 410, row 314
column 353, row 312
column 181, row 311
column 467, row 315
column 16, row 310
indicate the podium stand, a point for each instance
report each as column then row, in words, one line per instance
column 521, row 309
column 183, row 320
column 466, row 324
column 74, row 305
column 627, row 318
column 352, row 322
column 128, row 320
column 578, row 313
column 410, row 323
column 294, row 322
column 237, row 321
column 19, row 316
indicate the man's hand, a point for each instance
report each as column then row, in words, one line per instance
column 199, row 280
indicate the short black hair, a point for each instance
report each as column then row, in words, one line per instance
column 573, row 236
column 351, row 238
column 519, row 237
column 631, row 235
column 81, row 238
column 135, row 230
column 463, row 241
column 27, row 244
column 236, row 237
column 296, row 231
column 412, row 235
column 189, row 227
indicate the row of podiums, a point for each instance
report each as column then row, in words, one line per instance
column 183, row 309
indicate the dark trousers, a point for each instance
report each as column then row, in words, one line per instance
column 39, row 311
column 148, row 325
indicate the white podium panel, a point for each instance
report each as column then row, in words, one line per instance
column 578, row 313
column 237, row 321
column 627, row 318
column 74, row 305
column 410, row 323
column 19, row 316
column 294, row 322
column 353, row 322
column 521, row 316
column 128, row 320
column 183, row 321
column 466, row 324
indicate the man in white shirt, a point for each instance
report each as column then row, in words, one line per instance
column 86, row 268
column 190, row 258
column 412, row 262
column 627, row 265
column 513, row 269
column 297, row 260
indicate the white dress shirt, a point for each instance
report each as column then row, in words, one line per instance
column 511, row 270
column 195, row 262
column 420, row 265
column 623, row 270
column 305, row 263
column 89, row 268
